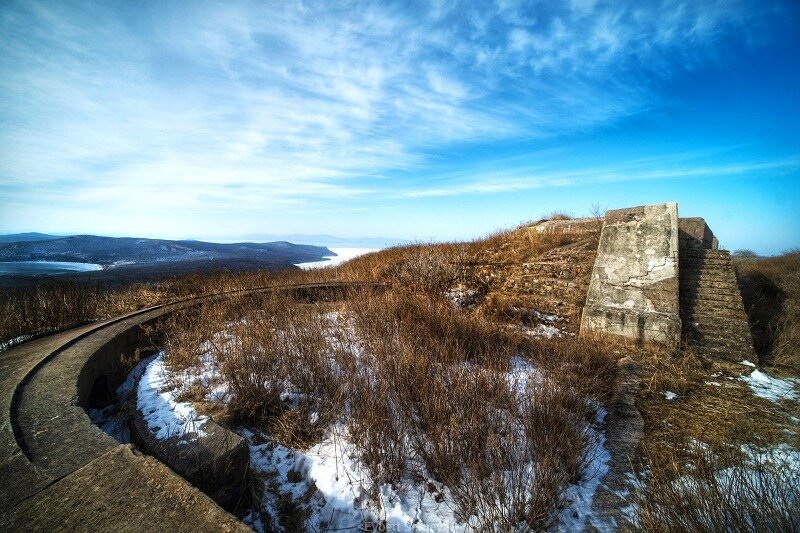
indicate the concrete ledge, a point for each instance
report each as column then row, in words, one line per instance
column 120, row 491
column 693, row 232
column 572, row 226
column 45, row 386
column 216, row 462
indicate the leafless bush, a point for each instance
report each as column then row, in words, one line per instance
column 771, row 294
column 422, row 389
column 46, row 308
column 430, row 269
column 703, row 490
column 273, row 354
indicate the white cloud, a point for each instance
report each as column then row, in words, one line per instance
column 522, row 177
column 293, row 101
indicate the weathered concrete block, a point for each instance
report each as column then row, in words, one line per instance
column 693, row 232
column 633, row 291
column 216, row 462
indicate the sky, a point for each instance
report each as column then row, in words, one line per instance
column 420, row 120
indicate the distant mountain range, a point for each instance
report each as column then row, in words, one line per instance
column 327, row 240
column 114, row 252
column 27, row 237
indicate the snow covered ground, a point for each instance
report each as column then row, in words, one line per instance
column 342, row 255
column 156, row 399
column 331, row 482
column 774, row 389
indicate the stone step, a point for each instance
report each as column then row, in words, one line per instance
column 724, row 331
column 722, row 313
column 554, row 270
column 710, row 297
column 699, row 338
column 703, row 252
column 541, row 292
column 550, row 282
column 695, row 300
column 689, row 292
column 730, row 352
column 734, row 334
column 708, row 317
column 695, row 271
column 691, row 285
column 709, row 283
column 694, row 263
column 738, row 344
column 713, row 313
column 710, row 290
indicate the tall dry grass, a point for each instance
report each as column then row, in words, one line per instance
column 421, row 387
column 712, row 453
column 46, row 308
column 724, row 490
column 771, row 293
column 56, row 305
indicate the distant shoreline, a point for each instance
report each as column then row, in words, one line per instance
column 342, row 255
column 42, row 268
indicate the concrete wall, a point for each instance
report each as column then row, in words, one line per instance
column 575, row 226
column 694, row 232
column 633, row 292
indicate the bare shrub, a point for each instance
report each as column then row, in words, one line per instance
column 557, row 215
column 46, row 308
column 273, row 354
column 726, row 490
column 430, row 269
column 771, row 294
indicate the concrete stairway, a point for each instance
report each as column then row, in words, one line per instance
column 714, row 320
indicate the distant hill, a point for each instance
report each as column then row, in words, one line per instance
column 330, row 240
column 115, row 252
column 27, row 237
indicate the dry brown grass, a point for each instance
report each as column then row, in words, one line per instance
column 46, row 308
column 771, row 293
column 706, row 490
column 700, row 476
column 56, row 305
column 433, row 399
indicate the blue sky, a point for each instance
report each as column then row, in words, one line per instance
column 416, row 120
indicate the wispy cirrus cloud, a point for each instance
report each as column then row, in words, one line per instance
column 522, row 178
column 280, row 103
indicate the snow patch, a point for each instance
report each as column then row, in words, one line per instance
column 774, row 389
column 157, row 400
column 462, row 298
column 342, row 255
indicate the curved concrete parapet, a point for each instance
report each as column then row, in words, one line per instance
column 215, row 462
column 47, row 440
